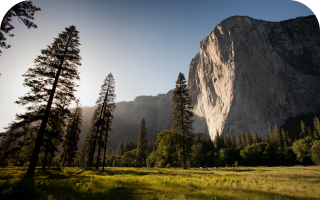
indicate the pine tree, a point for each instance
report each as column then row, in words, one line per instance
column 255, row 138
column 72, row 136
column 53, row 134
column 248, row 138
column 182, row 116
column 105, row 106
column 277, row 138
column 110, row 106
column 284, row 138
column 267, row 139
column 25, row 12
column 87, row 146
column 316, row 126
column 151, row 146
column 243, row 140
column 233, row 142
column 142, row 146
column 304, row 130
column 239, row 142
column 270, row 128
column 51, row 81
column 217, row 141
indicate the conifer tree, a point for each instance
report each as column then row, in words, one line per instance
column 105, row 106
column 304, row 130
column 120, row 149
column 110, row 106
column 316, row 126
column 270, row 128
column 87, row 146
column 151, row 146
column 233, row 142
column 227, row 140
column 255, row 138
column 243, row 140
column 248, row 138
column 277, row 138
column 284, row 137
column 142, row 146
column 239, row 142
column 72, row 135
column 52, row 78
column 217, row 141
column 53, row 134
column 267, row 139
column 182, row 116
column 25, row 12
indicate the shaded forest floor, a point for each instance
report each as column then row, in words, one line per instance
column 151, row 183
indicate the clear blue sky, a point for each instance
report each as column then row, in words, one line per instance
column 145, row 44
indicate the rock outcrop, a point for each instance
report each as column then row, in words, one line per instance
column 250, row 71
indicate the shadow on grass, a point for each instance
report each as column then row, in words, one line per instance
column 112, row 172
column 59, row 186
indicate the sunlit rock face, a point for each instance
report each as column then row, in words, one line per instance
column 250, row 71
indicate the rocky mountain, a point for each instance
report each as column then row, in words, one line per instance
column 247, row 72
column 250, row 71
column 128, row 115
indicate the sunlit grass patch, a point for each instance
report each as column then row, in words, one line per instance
column 152, row 183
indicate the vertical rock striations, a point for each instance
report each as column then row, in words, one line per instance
column 250, row 71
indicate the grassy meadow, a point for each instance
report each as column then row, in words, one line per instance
column 152, row 183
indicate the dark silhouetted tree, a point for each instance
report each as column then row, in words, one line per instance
column 182, row 116
column 71, row 138
column 53, row 76
column 25, row 12
column 109, row 108
column 105, row 106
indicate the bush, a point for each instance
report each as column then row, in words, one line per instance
column 302, row 148
column 315, row 152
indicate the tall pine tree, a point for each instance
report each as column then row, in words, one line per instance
column 110, row 106
column 51, row 79
column 142, row 146
column 182, row 117
column 105, row 106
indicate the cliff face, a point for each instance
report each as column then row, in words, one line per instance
column 127, row 117
column 250, row 71
column 155, row 109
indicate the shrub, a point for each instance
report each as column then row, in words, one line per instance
column 315, row 152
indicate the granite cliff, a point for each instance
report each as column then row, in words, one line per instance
column 128, row 115
column 247, row 72
column 250, row 71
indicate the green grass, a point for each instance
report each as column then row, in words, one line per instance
column 151, row 183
